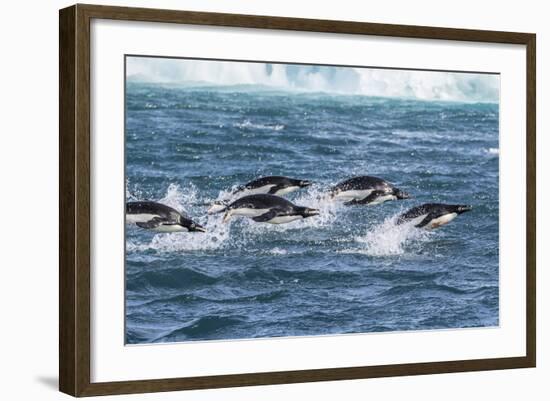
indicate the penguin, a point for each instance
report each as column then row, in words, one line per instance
column 272, row 185
column 367, row 190
column 265, row 208
column 158, row 217
column 432, row 215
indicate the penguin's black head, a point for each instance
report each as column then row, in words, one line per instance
column 401, row 194
column 462, row 208
column 304, row 183
column 308, row 212
column 195, row 227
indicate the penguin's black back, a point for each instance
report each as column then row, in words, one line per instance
column 363, row 182
column 150, row 207
column 437, row 209
column 269, row 180
column 262, row 201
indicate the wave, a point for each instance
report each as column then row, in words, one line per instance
column 168, row 279
column 324, row 274
column 405, row 276
column 186, row 299
column 134, row 336
column 406, row 289
column 424, row 85
column 204, row 327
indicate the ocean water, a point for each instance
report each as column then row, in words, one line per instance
column 349, row 270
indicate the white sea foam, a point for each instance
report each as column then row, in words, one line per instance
column 318, row 198
column 214, row 238
column 132, row 192
column 493, row 151
column 388, row 238
column 187, row 200
column 217, row 237
column 427, row 85
column 385, row 239
column 278, row 251
column 225, row 196
column 251, row 125
column 179, row 198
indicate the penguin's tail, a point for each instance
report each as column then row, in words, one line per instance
column 218, row 207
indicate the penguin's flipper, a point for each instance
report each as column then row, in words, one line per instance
column 273, row 190
column 365, row 201
column 153, row 223
column 426, row 220
column 266, row 216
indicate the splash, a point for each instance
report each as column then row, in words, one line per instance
column 385, row 239
column 278, row 251
column 317, row 197
column 132, row 192
column 390, row 239
column 314, row 197
column 216, row 237
column 224, row 198
column 186, row 199
column 179, row 198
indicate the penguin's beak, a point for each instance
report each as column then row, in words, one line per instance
column 305, row 183
column 464, row 208
column 196, row 227
column 308, row 212
column 402, row 194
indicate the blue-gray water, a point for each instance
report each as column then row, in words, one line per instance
column 350, row 270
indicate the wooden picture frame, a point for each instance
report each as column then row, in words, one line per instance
column 74, row 199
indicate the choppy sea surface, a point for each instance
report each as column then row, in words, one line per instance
column 349, row 270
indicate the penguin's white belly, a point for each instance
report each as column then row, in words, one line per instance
column 140, row 218
column 354, row 194
column 284, row 219
column 286, row 190
column 417, row 220
column 441, row 220
column 170, row 228
column 260, row 190
column 382, row 199
column 248, row 212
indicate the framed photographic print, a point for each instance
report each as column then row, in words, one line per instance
column 251, row 200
